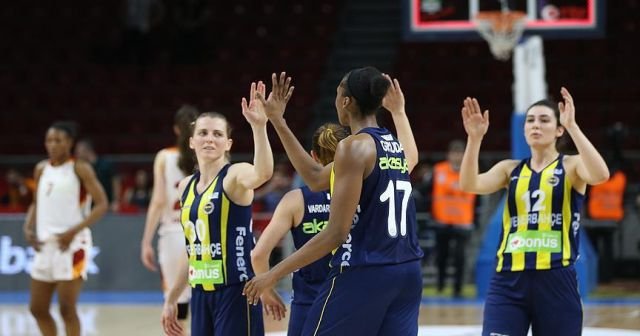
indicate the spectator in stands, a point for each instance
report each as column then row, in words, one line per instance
column 104, row 169
column 139, row 194
column 422, row 180
column 19, row 193
column 453, row 212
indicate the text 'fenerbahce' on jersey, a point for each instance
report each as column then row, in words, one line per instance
column 384, row 229
column 540, row 221
column 314, row 220
column 218, row 235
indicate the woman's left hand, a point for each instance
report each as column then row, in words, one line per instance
column 253, row 110
column 65, row 238
column 567, row 109
column 393, row 101
column 257, row 286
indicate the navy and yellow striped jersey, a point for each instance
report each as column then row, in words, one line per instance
column 218, row 235
column 384, row 229
column 540, row 220
column 308, row 280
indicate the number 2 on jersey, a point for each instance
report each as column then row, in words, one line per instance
column 390, row 195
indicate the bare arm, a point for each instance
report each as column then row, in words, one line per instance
column 590, row 166
column 94, row 188
column 315, row 175
column 283, row 219
column 354, row 160
column 157, row 203
column 394, row 102
column 29, row 227
column 476, row 125
column 170, row 322
column 251, row 176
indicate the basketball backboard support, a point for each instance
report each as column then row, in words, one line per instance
column 552, row 19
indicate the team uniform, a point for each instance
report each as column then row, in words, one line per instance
column 308, row 280
column 219, row 242
column 170, row 235
column 536, row 283
column 58, row 209
column 375, row 284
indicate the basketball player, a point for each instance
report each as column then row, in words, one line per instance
column 304, row 213
column 58, row 229
column 535, row 284
column 372, row 227
column 216, row 218
column 170, row 166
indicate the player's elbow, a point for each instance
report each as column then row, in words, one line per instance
column 258, row 257
column 601, row 177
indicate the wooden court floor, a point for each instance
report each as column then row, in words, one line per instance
column 144, row 320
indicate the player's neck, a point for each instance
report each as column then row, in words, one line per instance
column 357, row 125
column 209, row 170
column 543, row 157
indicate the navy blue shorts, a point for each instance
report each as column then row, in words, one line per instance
column 547, row 301
column 297, row 318
column 224, row 312
column 371, row 300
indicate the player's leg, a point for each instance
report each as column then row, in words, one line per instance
column 202, row 313
column 39, row 303
column 352, row 303
column 42, row 288
column 506, row 310
column 401, row 317
column 234, row 315
column 297, row 317
column 461, row 238
column 68, row 293
column 556, row 303
column 169, row 261
column 442, row 255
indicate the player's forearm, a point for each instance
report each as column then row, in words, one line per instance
column 30, row 223
column 96, row 213
column 405, row 135
column 263, row 156
column 303, row 163
column 590, row 157
column 181, row 282
column 319, row 246
column 469, row 166
column 152, row 221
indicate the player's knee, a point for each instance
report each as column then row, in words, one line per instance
column 67, row 311
column 39, row 311
column 183, row 311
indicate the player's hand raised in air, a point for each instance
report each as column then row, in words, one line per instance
column 475, row 122
column 567, row 109
column 281, row 91
column 254, row 109
column 393, row 101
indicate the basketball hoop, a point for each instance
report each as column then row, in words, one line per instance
column 502, row 29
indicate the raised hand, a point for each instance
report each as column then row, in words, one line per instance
column 273, row 305
column 567, row 109
column 475, row 122
column 253, row 110
column 281, row 92
column 257, row 286
column 394, row 99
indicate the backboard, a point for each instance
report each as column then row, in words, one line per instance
column 452, row 19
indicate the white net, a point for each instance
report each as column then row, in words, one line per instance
column 502, row 30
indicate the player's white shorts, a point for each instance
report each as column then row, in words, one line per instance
column 52, row 265
column 171, row 249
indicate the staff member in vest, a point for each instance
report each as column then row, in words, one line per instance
column 605, row 207
column 216, row 218
column 57, row 228
column 453, row 212
column 535, row 283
